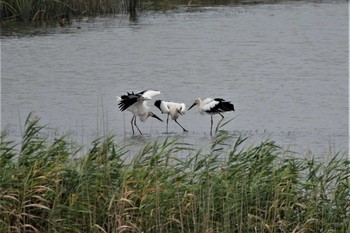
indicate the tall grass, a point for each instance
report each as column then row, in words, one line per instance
column 44, row 187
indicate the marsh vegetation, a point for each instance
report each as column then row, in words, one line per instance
column 43, row 10
column 167, row 187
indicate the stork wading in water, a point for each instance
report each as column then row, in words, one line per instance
column 137, row 104
column 211, row 107
column 172, row 109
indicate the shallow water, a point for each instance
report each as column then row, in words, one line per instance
column 284, row 66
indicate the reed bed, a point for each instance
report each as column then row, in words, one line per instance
column 45, row 187
column 44, row 10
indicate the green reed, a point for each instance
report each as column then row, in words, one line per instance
column 167, row 187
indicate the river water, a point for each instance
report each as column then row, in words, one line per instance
column 284, row 66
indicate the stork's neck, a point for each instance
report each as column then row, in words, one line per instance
column 199, row 106
column 200, row 103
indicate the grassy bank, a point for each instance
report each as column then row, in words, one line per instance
column 228, row 189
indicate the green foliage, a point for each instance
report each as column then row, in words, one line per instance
column 44, row 187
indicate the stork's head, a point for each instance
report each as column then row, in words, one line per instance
column 151, row 114
column 197, row 102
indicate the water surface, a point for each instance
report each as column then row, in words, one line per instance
column 284, row 66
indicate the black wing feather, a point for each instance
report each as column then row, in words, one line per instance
column 222, row 106
column 128, row 100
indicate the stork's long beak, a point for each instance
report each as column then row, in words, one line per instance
column 155, row 116
column 191, row 106
column 179, row 112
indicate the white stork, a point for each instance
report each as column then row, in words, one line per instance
column 211, row 107
column 172, row 109
column 137, row 104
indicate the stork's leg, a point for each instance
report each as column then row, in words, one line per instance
column 137, row 126
column 211, row 125
column 132, row 126
column 222, row 118
column 181, row 126
column 167, row 122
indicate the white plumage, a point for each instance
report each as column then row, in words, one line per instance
column 149, row 94
column 173, row 109
column 137, row 104
column 204, row 106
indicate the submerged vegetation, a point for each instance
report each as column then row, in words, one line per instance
column 45, row 187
